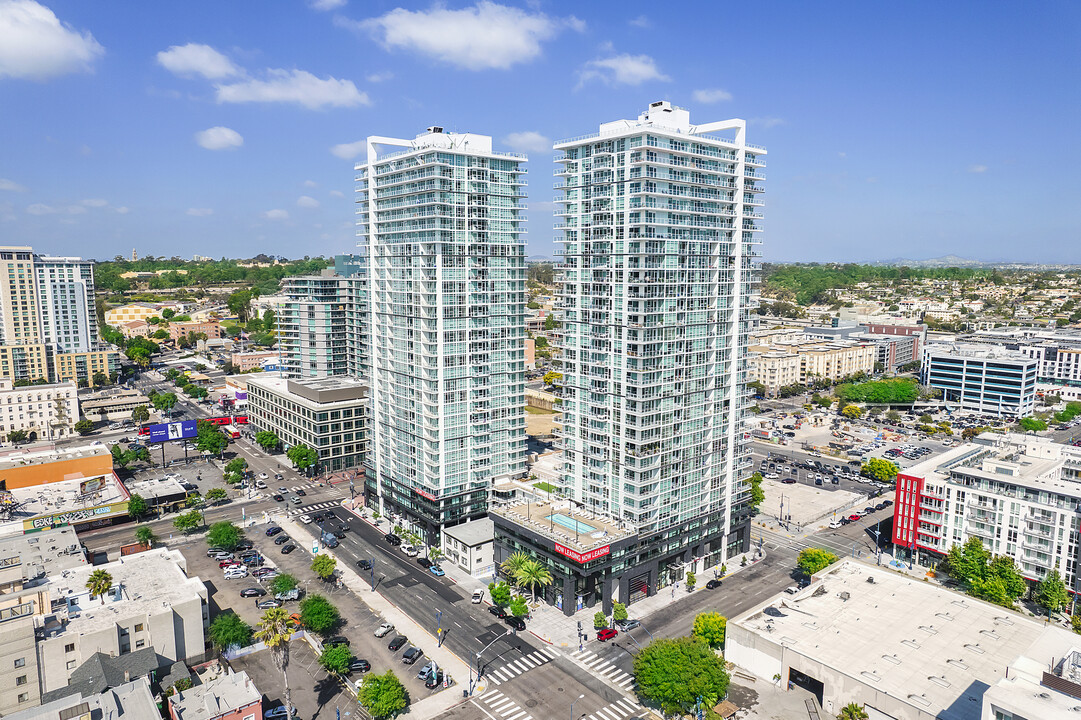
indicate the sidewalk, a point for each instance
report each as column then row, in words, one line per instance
column 452, row 665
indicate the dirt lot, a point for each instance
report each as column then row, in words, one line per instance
column 540, row 424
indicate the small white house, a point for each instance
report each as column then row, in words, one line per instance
column 470, row 547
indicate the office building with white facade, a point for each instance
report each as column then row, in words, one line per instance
column 441, row 225
column 1019, row 494
column 981, row 378
column 659, row 220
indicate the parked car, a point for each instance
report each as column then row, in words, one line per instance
column 222, row 555
column 835, row 524
column 252, row 592
column 263, row 572
column 713, row 584
column 336, row 640
column 281, row 539
column 436, row 570
column 396, row 643
column 607, row 634
column 628, row 624
column 268, row 603
column 411, row 655
column 434, row 681
column 789, row 481
column 392, row 539
column 410, row 550
column 245, row 545
column 478, row 597
column 236, row 573
column 288, row 549
column 425, row 670
column 273, row 530
column 384, row 629
column 358, row 665
column 854, row 517
column 498, row 611
column 214, row 550
column 229, row 563
column 278, row 713
column 515, row 622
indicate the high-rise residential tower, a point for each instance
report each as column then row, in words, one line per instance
column 441, row 223
column 312, row 326
column 659, row 219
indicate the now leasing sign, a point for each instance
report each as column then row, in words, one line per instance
column 583, row 557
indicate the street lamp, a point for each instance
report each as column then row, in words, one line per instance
column 573, row 702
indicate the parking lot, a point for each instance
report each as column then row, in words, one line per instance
column 358, row 622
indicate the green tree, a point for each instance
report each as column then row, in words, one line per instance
column 969, row 561
column 619, row 612
column 188, row 521
column 228, row 630
column 18, row 436
column 1075, row 623
column 83, row 427
column 758, row 495
column 267, row 440
column 710, row 626
column 382, row 695
column 223, row 534
column 210, row 438
column 215, row 495
column 880, row 469
column 1051, row 593
column 812, row 560
column 302, row 456
column 164, row 401
column 852, row 412
column 137, row 506
column 99, row 583
column 144, row 535
column 234, row 469
column 691, row 580
column 324, row 565
column 600, row 620
column 550, row 324
column 852, row 711
column 499, row 593
column 194, row 500
column 675, row 673
column 275, row 631
column 1031, row 424
column 513, row 565
column 893, row 417
column 239, row 303
column 1004, row 569
column 532, row 575
column 319, row 614
column 336, row 659
column 519, row 607
column 283, row 583
column 140, row 414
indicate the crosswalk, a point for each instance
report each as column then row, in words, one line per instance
column 517, row 667
column 619, row 710
column 506, row 708
column 602, row 668
column 312, row 508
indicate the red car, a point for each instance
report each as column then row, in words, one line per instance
column 607, row 634
column 854, row 518
column 229, row 563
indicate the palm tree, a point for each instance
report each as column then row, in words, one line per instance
column 276, row 631
column 512, row 565
column 852, row 711
column 99, row 583
column 145, row 535
column 531, row 574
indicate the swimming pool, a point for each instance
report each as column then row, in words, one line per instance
column 570, row 523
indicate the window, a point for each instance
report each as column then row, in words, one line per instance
column 71, row 664
column 20, row 662
column 70, row 647
column 23, row 697
column 21, row 680
column 140, row 643
column 138, row 627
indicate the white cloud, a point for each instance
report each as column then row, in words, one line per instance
column 305, row 201
column 528, row 141
column 35, row 44
column 640, row 22
column 219, row 138
column 196, row 59
column 485, row 36
column 276, row 214
column 708, row 97
column 842, row 155
column 379, row 77
column 336, row 193
column 123, row 210
column 200, row 212
column 310, row 183
column 622, row 69
column 95, row 202
column 766, row 122
column 43, row 209
column 295, row 86
column 977, row 169
column 348, row 151
column 11, row 185
column 324, row 5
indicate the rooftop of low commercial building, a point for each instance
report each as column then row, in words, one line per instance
column 317, row 391
column 44, row 554
column 157, row 487
column 143, row 584
column 215, row 698
column 130, row 700
column 974, row 350
column 564, row 523
column 932, row 648
column 44, row 454
column 75, row 494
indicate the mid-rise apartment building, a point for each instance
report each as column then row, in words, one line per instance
column 1019, row 494
column 47, row 318
column 1057, row 350
column 981, row 378
column 327, row 414
column 312, row 326
column 43, row 412
column 659, row 220
column 441, row 225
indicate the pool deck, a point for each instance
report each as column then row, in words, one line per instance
column 537, row 517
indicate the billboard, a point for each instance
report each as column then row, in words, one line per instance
column 171, row 431
column 75, row 517
column 91, row 486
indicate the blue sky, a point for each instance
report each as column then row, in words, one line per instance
column 910, row 129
